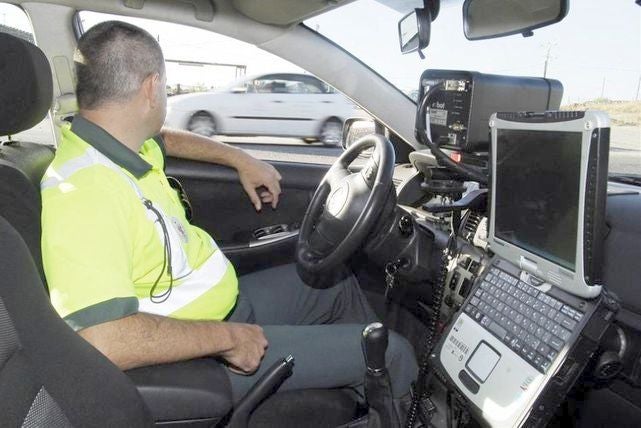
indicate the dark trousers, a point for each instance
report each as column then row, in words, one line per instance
column 321, row 328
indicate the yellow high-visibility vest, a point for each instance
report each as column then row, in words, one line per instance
column 108, row 217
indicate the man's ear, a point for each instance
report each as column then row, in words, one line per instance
column 149, row 88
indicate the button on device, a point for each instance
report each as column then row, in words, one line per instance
column 466, row 285
column 544, row 364
column 556, row 343
column 538, row 360
column 568, row 323
column 565, row 335
column 529, row 354
column 454, row 281
column 567, row 310
column 555, row 303
column 543, row 349
column 469, row 383
column 498, row 330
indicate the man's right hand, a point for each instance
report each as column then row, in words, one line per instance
column 248, row 348
column 143, row 339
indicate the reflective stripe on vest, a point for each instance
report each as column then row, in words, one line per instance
column 190, row 283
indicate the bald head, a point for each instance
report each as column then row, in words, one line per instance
column 112, row 61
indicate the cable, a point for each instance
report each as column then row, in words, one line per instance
column 420, row 390
column 166, row 262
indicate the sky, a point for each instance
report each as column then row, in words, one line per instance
column 598, row 39
column 594, row 51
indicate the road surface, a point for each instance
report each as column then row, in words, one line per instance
column 625, row 147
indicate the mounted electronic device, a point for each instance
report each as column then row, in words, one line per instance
column 459, row 110
column 452, row 121
column 535, row 316
column 455, row 107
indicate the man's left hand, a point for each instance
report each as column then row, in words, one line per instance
column 261, row 181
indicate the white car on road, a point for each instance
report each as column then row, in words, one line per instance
column 277, row 104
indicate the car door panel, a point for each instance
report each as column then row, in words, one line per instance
column 246, row 117
column 222, row 208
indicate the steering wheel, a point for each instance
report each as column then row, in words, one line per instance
column 345, row 206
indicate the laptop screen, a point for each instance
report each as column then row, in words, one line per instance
column 537, row 192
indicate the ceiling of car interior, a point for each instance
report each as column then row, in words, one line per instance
column 284, row 12
column 288, row 12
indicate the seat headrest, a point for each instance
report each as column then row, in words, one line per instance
column 26, row 85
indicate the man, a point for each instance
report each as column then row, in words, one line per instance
column 128, row 272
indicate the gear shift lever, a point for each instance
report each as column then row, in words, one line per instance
column 374, row 343
column 378, row 390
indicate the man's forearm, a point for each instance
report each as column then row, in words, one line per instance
column 145, row 339
column 188, row 145
column 253, row 173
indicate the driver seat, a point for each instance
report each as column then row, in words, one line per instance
column 49, row 376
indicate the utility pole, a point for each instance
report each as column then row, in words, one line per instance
column 547, row 59
column 638, row 87
column 603, row 87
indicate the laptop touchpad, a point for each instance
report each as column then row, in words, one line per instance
column 482, row 362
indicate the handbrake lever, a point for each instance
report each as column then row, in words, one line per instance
column 263, row 388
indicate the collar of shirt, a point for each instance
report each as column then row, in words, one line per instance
column 109, row 146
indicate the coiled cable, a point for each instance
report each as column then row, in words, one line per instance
column 420, row 388
column 166, row 262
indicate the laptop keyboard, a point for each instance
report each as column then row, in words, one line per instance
column 531, row 323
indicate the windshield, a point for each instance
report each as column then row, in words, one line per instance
column 594, row 52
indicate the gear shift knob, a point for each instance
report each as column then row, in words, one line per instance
column 374, row 343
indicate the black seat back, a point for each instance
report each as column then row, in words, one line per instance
column 21, row 167
column 49, row 376
column 26, row 90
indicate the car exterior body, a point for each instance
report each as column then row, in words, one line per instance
column 277, row 104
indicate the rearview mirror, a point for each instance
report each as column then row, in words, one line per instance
column 414, row 30
column 486, row 19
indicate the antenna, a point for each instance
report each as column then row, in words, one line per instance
column 547, row 58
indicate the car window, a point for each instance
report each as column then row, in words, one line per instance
column 14, row 21
column 230, row 90
column 289, row 85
